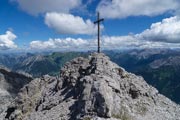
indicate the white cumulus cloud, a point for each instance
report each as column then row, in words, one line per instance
column 7, row 41
column 35, row 7
column 107, row 42
column 60, row 44
column 166, row 31
column 69, row 24
column 125, row 8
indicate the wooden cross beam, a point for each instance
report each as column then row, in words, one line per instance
column 98, row 22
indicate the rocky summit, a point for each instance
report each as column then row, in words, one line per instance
column 92, row 88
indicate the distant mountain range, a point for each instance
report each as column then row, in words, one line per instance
column 159, row 67
column 37, row 64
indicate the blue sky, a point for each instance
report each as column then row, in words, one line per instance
column 68, row 25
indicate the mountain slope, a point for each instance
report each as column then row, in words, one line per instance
column 10, row 60
column 91, row 89
column 164, row 75
column 38, row 65
column 10, row 84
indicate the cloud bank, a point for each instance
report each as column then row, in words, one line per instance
column 60, row 44
column 164, row 34
column 166, row 31
column 69, row 24
column 125, row 8
column 35, row 7
column 7, row 41
column 107, row 43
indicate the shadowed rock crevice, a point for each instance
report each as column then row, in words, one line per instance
column 9, row 112
column 15, row 80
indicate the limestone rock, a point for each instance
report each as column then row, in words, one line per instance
column 91, row 89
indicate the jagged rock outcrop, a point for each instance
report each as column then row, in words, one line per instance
column 91, row 89
column 10, row 84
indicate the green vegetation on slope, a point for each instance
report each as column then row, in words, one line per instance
column 166, row 79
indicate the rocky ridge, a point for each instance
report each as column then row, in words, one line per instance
column 91, row 89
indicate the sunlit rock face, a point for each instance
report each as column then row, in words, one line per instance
column 92, row 88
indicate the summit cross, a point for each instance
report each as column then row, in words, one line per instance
column 98, row 22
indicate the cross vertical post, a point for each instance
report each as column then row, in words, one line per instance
column 98, row 22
